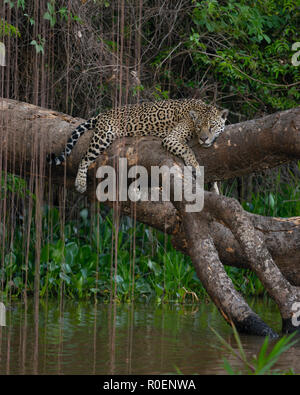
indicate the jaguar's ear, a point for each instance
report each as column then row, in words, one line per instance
column 224, row 114
column 194, row 115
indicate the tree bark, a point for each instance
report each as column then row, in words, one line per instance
column 223, row 233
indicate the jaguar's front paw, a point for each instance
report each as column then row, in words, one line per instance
column 80, row 185
column 53, row 159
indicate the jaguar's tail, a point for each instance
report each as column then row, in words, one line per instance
column 78, row 132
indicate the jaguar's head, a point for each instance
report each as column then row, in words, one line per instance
column 209, row 126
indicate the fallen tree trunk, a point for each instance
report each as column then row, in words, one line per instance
column 243, row 148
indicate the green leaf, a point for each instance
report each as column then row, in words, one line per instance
column 65, row 277
column 71, row 251
column 228, row 367
column 10, row 259
column 21, row 3
column 47, row 16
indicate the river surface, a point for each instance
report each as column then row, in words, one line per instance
column 83, row 338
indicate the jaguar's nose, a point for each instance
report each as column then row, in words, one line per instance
column 203, row 139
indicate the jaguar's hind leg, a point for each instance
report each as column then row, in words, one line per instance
column 97, row 146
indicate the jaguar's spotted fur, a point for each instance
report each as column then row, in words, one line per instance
column 174, row 121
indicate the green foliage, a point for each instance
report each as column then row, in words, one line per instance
column 243, row 48
column 86, row 248
column 160, row 94
column 104, row 3
column 283, row 201
column 14, row 185
column 261, row 364
column 253, row 57
column 63, row 13
column 50, row 14
column 10, row 3
column 38, row 45
column 238, row 50
column 72, row 255
column 21, row 4
column 246, row 281
column 8, row 30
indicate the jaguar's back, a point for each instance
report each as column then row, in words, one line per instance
column 148, row 118
column 174, row 121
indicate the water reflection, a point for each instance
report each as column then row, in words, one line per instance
column 83, row 338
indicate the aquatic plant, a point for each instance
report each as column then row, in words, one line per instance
column 260, row 364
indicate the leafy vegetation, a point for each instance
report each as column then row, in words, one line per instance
column 8, row 30
column 80, row 259
column 82, row 57
column 282, row 201
column 79, row 256
column 237, row 53
column 261, row 364
column 246, row 47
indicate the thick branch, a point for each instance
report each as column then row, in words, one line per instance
column 245, row 147
column 210, row 269
column 223, row 226
column 257, row 254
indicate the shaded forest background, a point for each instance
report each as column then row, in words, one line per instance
column 83, row 57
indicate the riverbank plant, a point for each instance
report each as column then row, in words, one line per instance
column 263, row 362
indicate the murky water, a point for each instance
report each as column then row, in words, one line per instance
column 83, row 338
